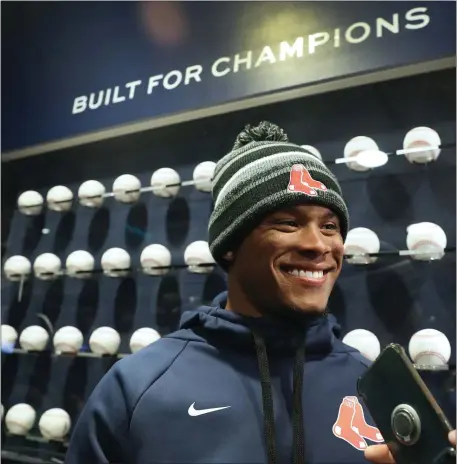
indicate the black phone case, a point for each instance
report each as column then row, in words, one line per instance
column 392, row 380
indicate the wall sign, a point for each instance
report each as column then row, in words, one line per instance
column 83, row 67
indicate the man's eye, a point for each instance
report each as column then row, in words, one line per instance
column 286, row 222
column 331, row 226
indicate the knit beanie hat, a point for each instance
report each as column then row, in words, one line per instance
column 264, row 173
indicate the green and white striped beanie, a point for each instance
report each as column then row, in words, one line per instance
column 264, row 173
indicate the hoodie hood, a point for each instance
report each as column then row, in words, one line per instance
column 221, row 327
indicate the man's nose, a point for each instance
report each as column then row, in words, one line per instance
column 311, row 241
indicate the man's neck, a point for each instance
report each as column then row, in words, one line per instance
column 237, row 300
column 241, row 306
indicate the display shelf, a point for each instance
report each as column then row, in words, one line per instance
column 403, row 253
column 433, row 368
column 150, row 189
column 79, row 354
column 23, row 458
column 127, row 272
column 399, row 152
column 37, row 439
column 33, row 449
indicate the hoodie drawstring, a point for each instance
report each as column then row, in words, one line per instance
column 267, row 399
column 297, row 411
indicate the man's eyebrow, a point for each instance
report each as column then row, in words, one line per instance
column 330, row 215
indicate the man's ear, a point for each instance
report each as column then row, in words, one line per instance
column 228, row 256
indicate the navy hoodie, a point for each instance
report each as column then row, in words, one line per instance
column 220, row 390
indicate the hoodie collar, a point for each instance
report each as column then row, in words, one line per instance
column 223, row 327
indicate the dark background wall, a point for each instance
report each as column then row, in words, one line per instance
column 393, row 298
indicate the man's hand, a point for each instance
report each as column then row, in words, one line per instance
column 380, row 454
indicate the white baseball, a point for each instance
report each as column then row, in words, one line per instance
column 429, row 347
column 30, row 203
column 59, row 198
column 9, row 336
column 361, row 240
column 161, row 179
column 142, row 338
column 425, row 237
column 20, row 418
column 355, row 146
column 17, row 267
column 126, row 188
column 80, row 264
column 426, row 140
column 203, row 175
column 54, row 424
column 155, row 255
column 68, row 339
column 364, row 341
column 33, row 338
column 90, row 193
column 116, row 262
column 47, row 266
column 197, row 253
column 105, row 340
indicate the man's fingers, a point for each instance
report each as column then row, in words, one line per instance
column 452, row 437
column 379, row 454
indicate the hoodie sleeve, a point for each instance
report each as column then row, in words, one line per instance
column 100, row 435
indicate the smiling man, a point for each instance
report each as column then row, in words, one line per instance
column 287, row 264
column 261, row 375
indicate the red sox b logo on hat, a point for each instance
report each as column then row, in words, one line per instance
column 301, row 181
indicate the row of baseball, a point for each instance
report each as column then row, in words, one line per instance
column 361, row 153
column 428, row 347
column 69, row 339
column 424, row 240
column 155, row 259
column 165, row 183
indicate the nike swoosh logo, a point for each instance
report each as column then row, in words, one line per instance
column 194, row 412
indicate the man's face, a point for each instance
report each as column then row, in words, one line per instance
column 290, row 261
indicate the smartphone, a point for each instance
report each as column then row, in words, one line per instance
column 412, row 424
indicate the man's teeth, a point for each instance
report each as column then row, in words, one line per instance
column 307, row 274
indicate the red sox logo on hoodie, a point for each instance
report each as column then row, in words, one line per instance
column 302, row 182
column 351, row 426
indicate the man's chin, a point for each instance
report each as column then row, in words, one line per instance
column 316, row 304
column 310, row 309
column 294, row 309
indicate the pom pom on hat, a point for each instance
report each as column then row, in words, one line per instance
column 265, row 131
